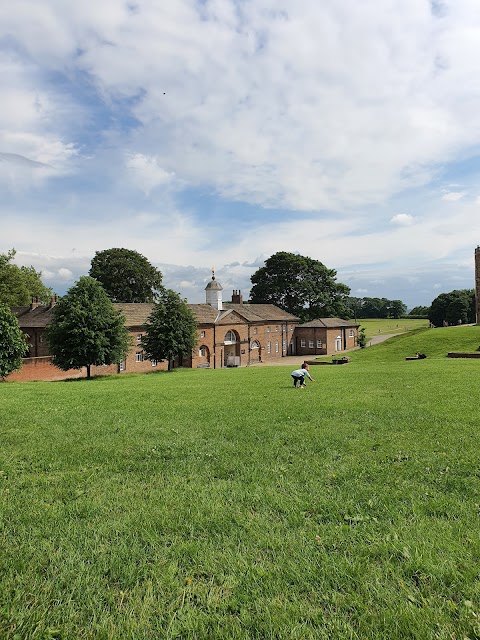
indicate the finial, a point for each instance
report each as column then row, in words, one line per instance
column 213, row 273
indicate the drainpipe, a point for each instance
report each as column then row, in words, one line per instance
column 214, row 349
column 248, row 359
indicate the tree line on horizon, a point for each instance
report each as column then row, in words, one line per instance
column 297, row 284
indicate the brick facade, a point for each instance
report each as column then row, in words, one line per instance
column 230, row 334
column 324, row 336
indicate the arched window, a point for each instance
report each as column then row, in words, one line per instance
column 255, row 345
column 230, row 337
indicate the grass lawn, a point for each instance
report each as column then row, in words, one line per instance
column 381, row 326
column 226, row 504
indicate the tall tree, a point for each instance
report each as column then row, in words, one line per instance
column 13, row 345
column 86, row 329
column 171, row 330
column 420, row 310
column 299, row 285
column 18, row 285
column 126, row 275
column 455, row 307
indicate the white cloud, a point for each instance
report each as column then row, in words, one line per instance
column 453, row 196
column 146, row 172
column 402, row 219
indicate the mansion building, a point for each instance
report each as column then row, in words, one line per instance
column 230, row 334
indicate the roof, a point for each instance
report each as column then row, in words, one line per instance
column 329, row 323
column 37, row 318
column 137, row 313
column 260, row 312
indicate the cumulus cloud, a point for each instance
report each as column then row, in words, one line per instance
column 402, row 219
column 146, row 172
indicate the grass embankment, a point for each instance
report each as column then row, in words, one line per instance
column 226, row 504
column 381, row 326
column 435, row 343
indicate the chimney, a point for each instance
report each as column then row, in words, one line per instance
column 34, row 303
column 53, row 300
column 237, row 297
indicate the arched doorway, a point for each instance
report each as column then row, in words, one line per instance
column 255, row 352
column 203, row 357
column 231, row 351
column 338, row 343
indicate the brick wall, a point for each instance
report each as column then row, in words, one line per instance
column 323, row 341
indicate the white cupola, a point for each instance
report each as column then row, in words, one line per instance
column 213, row 293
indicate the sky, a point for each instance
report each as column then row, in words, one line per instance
column 208, row 133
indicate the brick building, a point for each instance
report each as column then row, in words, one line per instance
column 325, row 335
column 230, row 334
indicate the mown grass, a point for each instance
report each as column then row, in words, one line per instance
column 226, row 504
column 381, row 326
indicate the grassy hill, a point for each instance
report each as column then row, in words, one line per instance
column 381, row 326
column 226, row 504
column 436, row 343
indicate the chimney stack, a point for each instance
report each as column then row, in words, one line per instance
column 34, row 303
column 53, row 300
column 237, row 297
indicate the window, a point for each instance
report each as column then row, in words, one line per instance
column 139, row 356
column 268, row 329
column 319, row 344
column 303, row 343
column 284, row 328
column 230, row 338
column 139, row 337
column 202, row 334
column 310, row 344
column 350, row 333
column 40, row 339
column 201, row 352
column 255, row 330
column 268, row 347
column 255, row 345
column 154, row 363
column 284, row 346
column 276, row 328
column 276, row 346
column 121, row 366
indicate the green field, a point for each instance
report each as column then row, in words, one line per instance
column 381, row 326
column 226, row 504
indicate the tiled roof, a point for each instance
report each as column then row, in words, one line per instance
column 260, row 312
column 137, row 313
column 204, row 313
column 329, row 323
column 36, row 318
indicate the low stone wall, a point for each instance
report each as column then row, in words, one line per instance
column 454, row 354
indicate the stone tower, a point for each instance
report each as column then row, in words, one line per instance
column 477, row 284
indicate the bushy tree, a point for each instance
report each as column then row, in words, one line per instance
column 18, row 285
column 13, row 344
column 419, row 311
column 456, row 307
column 86, row 329
column 126, row 275
column 171, row 330
column 300, row 285
column 375, row 308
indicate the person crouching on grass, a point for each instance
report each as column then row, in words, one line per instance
column 299, row 376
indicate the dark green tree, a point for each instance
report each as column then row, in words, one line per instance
column 13, row 344
column 86, row 329
column 455, row 307
column 126, row 275
column 171, row 330
column 396, row 309
column 300, row 285
column 362, row 338
column 18, row 285
column 419, row 311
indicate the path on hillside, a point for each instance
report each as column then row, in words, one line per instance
column 295, row 361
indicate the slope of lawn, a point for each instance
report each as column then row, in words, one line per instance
column 381, row 326
column 226, row 504
column 435, row 343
